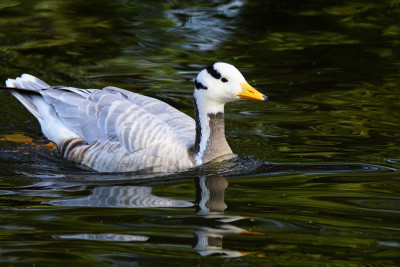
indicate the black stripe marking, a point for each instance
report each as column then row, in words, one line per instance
column 82, row 153
column 69, row 145
column 95, row 148
column 64, row 146
column 213, row 72
column 22, row 90
column 196, row 148
column 199, row 85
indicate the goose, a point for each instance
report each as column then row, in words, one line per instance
column 115, row 130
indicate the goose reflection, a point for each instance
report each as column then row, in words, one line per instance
column 118, row 197
column 122, row 197
column 208, row 241
column 209, row 204
column 106, row 237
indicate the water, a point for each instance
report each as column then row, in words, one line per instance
column 317, row 179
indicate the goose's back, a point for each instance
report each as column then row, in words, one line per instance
column 122, row 131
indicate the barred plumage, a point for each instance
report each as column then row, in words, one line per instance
column 114, row 130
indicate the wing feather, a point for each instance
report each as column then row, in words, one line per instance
column 110, row 129
column 137, row 122
column 177, row 120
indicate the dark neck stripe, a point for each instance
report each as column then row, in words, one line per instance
column 213, row 72
column 196, row 147
column 199, row 85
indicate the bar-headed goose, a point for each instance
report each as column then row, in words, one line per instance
column 114, row 130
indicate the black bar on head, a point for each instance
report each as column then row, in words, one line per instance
column 199, row 85
column 213, row 72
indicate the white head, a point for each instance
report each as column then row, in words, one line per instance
column 221, row 83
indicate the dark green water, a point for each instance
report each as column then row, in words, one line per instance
column 317, row 182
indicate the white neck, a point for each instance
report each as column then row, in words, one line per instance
column 209, row 126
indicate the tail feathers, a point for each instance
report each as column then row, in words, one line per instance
column 27, row 81
column 30, row 96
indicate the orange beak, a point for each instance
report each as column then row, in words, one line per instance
column 250, row 93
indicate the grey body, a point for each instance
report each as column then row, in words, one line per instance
column 114, row 130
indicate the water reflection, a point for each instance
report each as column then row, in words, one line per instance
column 106, row 237
column 208, row 241
column 122, row 197
column 210, row 192
column 205, row 27
column 209, row 204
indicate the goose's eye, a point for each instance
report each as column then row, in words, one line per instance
column 224, row 80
